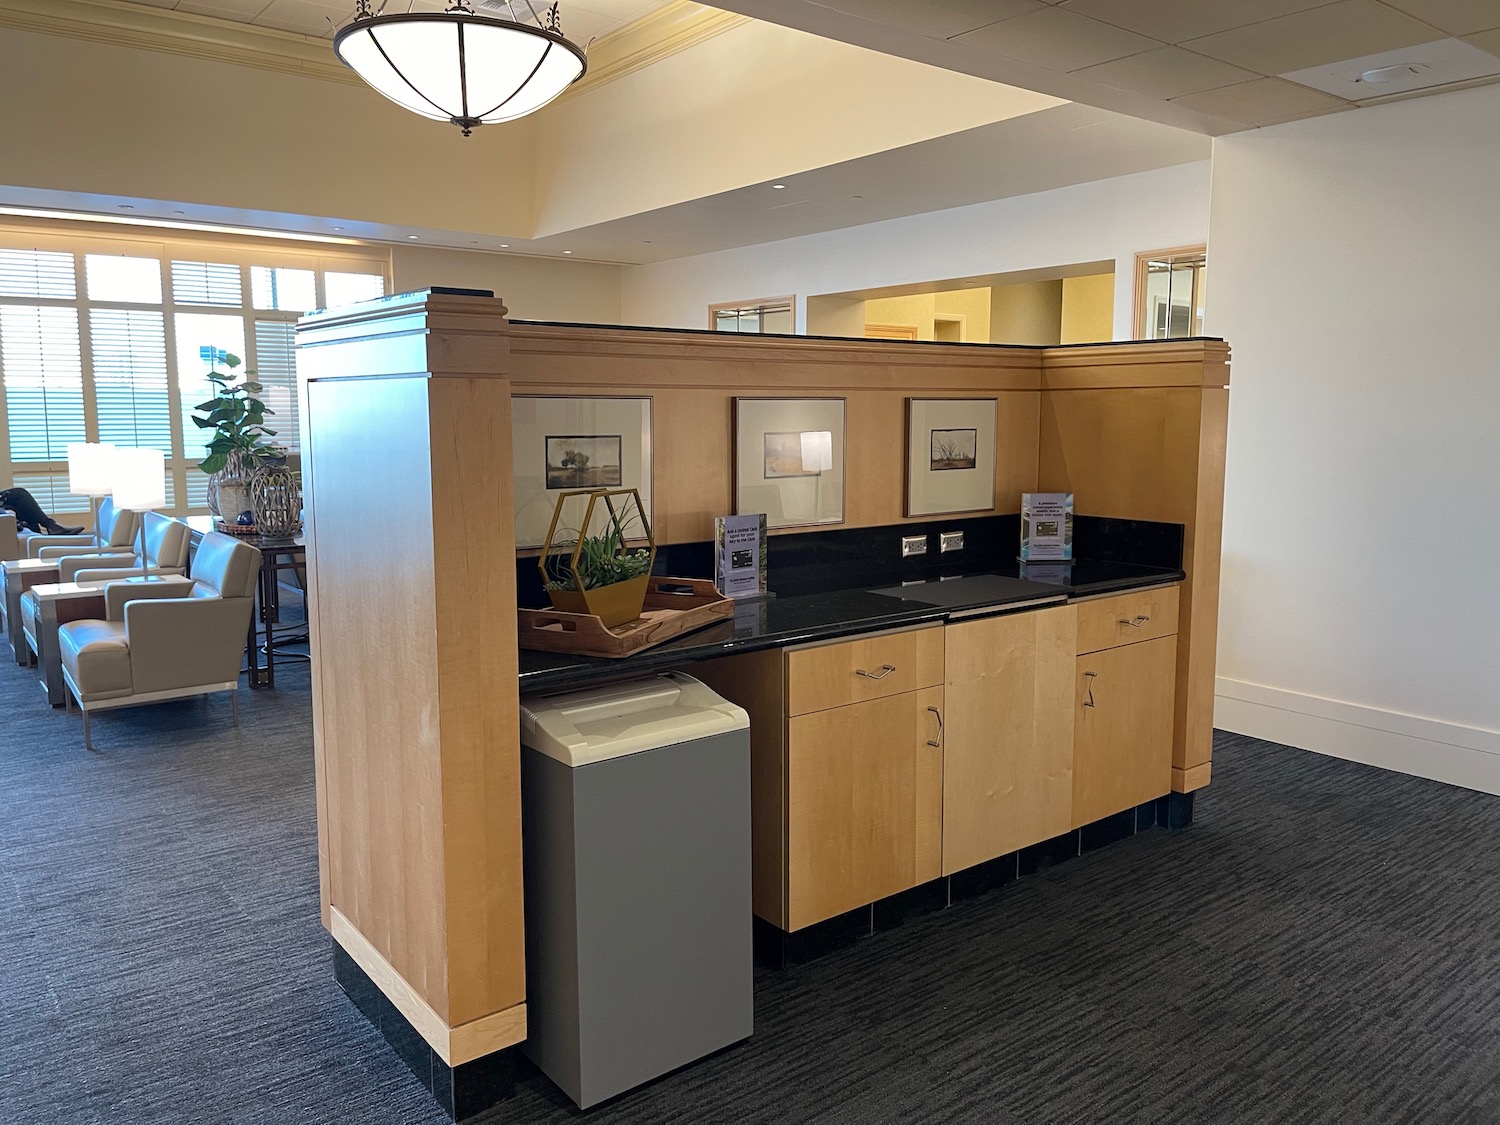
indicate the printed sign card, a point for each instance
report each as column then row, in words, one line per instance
column 740, row 571
column 1046, row 526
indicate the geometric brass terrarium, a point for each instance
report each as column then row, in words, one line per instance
column 595, row 564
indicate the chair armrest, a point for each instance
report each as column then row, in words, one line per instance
column 35, row 543
column 10, row 539
column 119, row 594
column 185, row 642
column 72, row 562
column 93, row 572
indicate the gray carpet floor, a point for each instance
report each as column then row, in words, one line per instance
column 1323, row 945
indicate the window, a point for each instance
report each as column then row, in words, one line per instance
column 774, row 315
column 108, row 339
column 1169, row 290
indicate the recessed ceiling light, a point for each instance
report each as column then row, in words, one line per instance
column 338, row 228
column 413, row 237
column 179, row 212
column 778, row 187
column 127, row 207
column 567, row 251
column 646, row 241
column 505, row 246
column 856, row 197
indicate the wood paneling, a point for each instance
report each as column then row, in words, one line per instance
column 469, row 435
column 1185, row 781
column 927, row 795
column 1117, row 620
column 1123, row 728
column 1008, row 762
column 757, row 682
column 454, row 1046
column 855, row 777
column 841, row 672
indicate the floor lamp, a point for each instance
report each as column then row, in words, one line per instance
column 140, row 485
column 90, row 473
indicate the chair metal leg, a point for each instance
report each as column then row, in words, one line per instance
column 87, row 742
column 234, row 705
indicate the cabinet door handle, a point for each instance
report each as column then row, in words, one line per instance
column 1137, row 623
column 1089, row 676
column 885, row 670
column 938, row 741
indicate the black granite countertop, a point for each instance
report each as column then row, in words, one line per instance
column 798, row 615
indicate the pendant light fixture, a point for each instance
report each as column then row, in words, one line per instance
column 460, row 66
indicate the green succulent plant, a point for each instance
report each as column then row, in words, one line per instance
column 602, row 561
column 237, row 418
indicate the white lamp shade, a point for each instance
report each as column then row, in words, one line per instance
column 817, row 451
column 140, row 479
column 91, row 468
column 458, row 66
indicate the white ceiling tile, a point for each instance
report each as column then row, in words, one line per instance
column 1262, row 101
column 1345, row 30
column 1440, row 64
column 1456, row 17
column 936, row 19
column 1058, row 40
column 1173, row 21
column 242, row 10
column 1168, row 72
column 302, row 17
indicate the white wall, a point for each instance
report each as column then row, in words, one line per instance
column 1356, row 275
column 1107, row 219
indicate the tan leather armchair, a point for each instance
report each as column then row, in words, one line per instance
column 113, row 535
column 166, row 542
column 10, row 539
column 165, row 640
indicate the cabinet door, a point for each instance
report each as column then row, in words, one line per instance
column 1122, row 750
column 864, row 803
column 1008, row 762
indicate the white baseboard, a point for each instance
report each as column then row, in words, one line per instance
column 1392, row 740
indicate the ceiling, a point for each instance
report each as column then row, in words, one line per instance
column 581, row 21
column 1212, row 66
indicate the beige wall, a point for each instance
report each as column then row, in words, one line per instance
column 835, row 316
column 532, row 288
column 1026, row 314
column 109, row 120
column 913, row 309
column 1088, row 309
column 754, row 103
column 971, row 304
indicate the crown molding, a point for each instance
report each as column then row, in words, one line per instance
column 675, row 27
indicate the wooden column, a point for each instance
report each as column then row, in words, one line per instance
column 1137, row 432
column 411, row 603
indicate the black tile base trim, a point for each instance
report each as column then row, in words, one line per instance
column 464, row 1090
column 1048, row 853
column 928, row 898
column 776, row 949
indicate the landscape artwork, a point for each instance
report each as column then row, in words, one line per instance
column 783, row 456
column 584, row 461
column 954, row 449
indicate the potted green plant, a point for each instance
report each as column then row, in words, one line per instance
column 599, row 572
column 238, row 444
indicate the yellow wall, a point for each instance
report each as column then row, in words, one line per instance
column 109, row 120
column 1088, row 309
column 971, row 304
column 1029, row 313
column 532, row 288
column 835, row 316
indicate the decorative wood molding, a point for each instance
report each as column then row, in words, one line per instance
column 675, row 27
column 454, row 1045
column 1186, row 780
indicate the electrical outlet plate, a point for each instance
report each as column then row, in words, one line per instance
column 950, row 541
column 913, row 545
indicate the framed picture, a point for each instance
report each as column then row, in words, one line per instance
column 562, row 443
column 789, row 460
column 950, row 455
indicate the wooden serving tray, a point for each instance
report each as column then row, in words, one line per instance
column 674, row 606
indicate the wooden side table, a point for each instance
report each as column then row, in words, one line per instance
column 21, row 575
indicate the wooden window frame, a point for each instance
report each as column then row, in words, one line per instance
column 1138, row 306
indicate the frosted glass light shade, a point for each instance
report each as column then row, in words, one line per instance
column 460, row 67
column 140, row 479
column 91, row 468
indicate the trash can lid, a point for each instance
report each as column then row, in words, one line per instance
column 595, row 725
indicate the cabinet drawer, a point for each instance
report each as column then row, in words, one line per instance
column 844, row 672
column 1141, row 615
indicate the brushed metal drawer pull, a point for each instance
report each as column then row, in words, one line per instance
column 1137, row 623
column 1089, row 676
column 885, row 670
column 938, row 741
